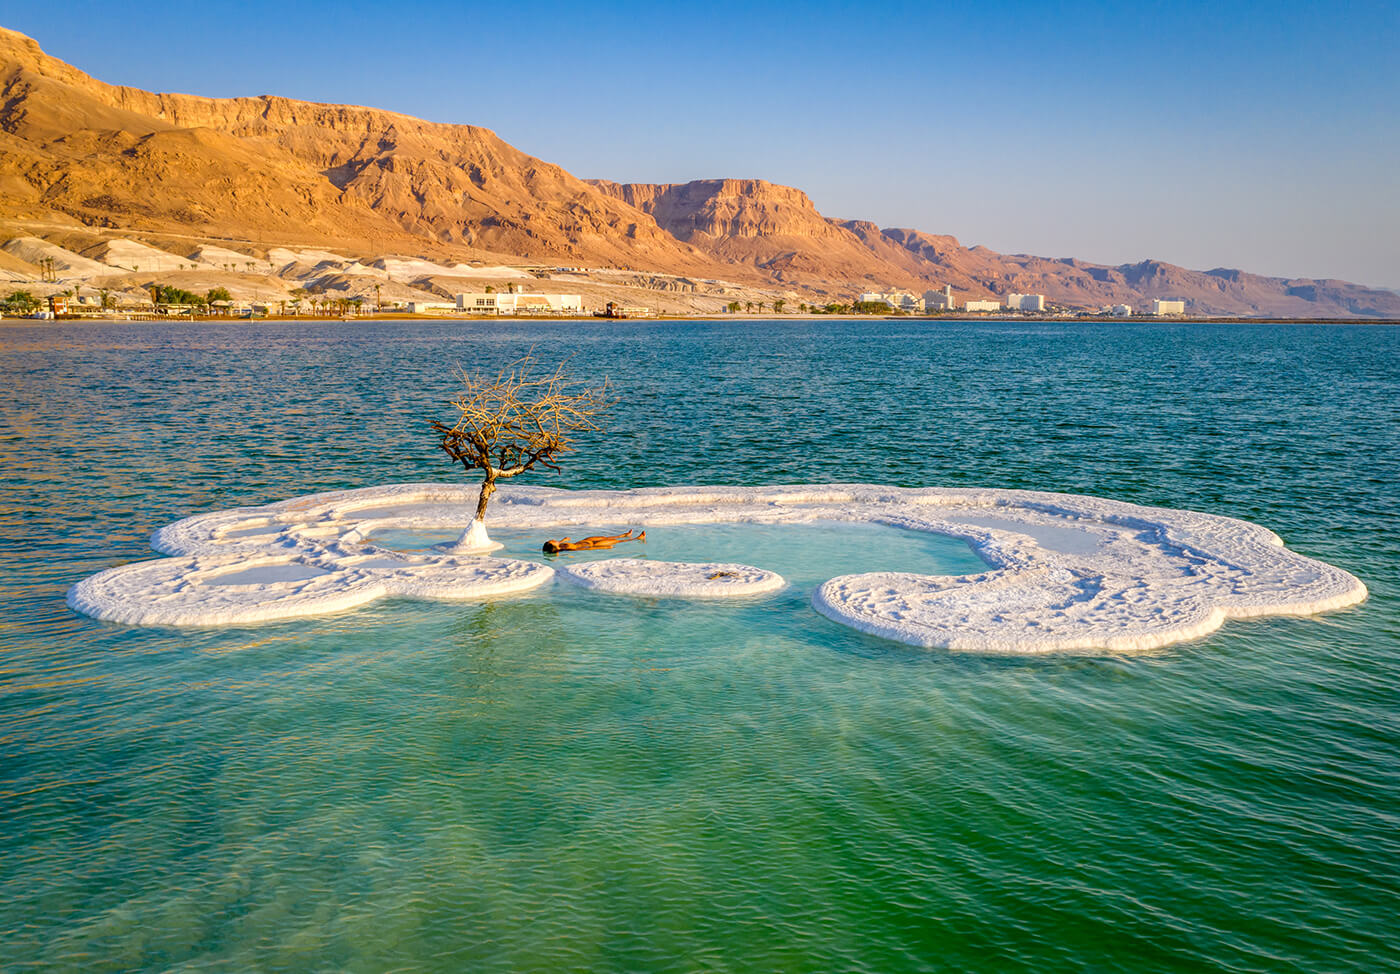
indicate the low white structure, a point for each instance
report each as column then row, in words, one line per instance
column 1160, row 307
column 430, row 307
column 1122, row 310
column 939, row 300
column 1025, row 302
column 898, row 300
column 490, row 303
column 983, row 305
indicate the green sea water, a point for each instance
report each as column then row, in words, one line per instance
column 570, row 781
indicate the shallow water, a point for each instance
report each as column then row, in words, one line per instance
column 568, row 780
column 805, row 554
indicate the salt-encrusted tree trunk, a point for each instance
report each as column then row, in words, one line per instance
column 511, row 422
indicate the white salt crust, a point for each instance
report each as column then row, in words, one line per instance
column 632, row 576
column 188, row 591
column 1066, row 572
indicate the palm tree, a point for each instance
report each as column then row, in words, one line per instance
column 22, row 301
column 778, row 306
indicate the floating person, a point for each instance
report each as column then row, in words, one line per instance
column 592, row 542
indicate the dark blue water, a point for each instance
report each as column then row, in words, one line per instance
column 548, row 783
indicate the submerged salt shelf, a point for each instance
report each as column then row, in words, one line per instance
column 631, row 576
column 1065, row 572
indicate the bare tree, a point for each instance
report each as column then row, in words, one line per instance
column 515, row 420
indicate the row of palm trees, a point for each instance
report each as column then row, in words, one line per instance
column 322, row 304
column 733, row 307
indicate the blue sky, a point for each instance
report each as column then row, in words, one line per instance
column 1264, row 136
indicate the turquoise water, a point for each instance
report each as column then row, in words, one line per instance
column 571, row 781
column 804, row 554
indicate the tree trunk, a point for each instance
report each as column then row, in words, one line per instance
column 488, row 487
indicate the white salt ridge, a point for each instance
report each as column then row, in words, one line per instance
column 283, row 257
column 66, row 263
column 490, row 272
column 635, row 576
column 130, row 255
column 1067, row 572
column 415, row 267
column 219, row 256
column 234, row 589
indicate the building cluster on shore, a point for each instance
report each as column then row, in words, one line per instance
column 944, row 301
column 512, row 301
column 284, row 282
column 1160, row 308
column 121, row 278
column 217, row 304
column 903, row 301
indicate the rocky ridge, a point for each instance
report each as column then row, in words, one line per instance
column 82, row 162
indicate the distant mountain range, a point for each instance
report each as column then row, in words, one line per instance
column 79, row 154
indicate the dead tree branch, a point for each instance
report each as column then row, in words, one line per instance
column 514, row 420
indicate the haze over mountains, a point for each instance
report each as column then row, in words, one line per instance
column 84, row 163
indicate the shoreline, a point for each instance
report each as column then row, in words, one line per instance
column 146, row 317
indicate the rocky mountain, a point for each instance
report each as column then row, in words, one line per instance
column 74, row 148
column 776, row 229
column 80, row 157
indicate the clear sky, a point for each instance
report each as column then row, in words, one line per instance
column 1264, row 136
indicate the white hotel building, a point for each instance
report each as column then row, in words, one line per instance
column 898, row 300
column 939, row 300
column 1025, row 302
column 486, row 303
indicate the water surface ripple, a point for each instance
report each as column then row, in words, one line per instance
column 569, row 781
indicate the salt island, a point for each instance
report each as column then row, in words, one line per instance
column 1064, row 572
